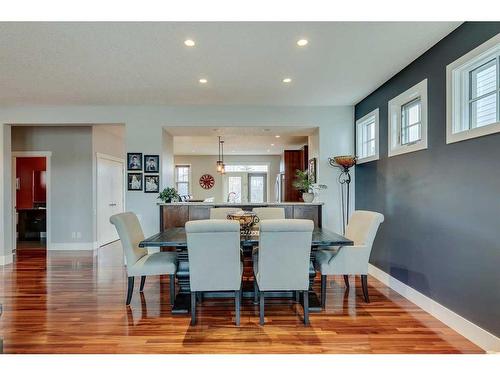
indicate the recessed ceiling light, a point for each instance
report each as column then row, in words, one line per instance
column 268, row 150
column 203, row 80
column 302, row 42
column 277, row 136
column 189, row 43
column 287, row 80
column 272, row 144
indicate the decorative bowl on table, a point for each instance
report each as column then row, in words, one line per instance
column 247, row 220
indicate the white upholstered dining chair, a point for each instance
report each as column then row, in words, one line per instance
column 282, row 263
column 220, row 213
column 139, row 262
column 214, row 259
column 351, row 260
column 269, row 213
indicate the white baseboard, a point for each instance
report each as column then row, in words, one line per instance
column 6, row 259
column 469, row 330
column 71, row 246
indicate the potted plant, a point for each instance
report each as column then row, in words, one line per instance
column 169, row 195
column 303, row 183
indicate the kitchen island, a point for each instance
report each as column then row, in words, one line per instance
column 176, row 214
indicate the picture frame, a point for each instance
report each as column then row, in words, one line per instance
column 151, row 163
column 312, row 170
column 134, row 181
column 152, row 183
column 134, row 161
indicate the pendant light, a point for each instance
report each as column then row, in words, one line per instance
column 219, row 161
column 223, row 167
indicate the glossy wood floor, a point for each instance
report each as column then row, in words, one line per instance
column 72, row 302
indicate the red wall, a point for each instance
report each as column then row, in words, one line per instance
column 24, row 171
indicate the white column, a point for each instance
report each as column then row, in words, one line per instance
column 5, row 196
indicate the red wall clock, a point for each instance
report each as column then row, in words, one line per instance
column 207, row 181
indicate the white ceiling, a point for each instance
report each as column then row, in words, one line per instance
column 147, row 63
column 238, row 140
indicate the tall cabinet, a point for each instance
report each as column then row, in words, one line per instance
column 293, row 160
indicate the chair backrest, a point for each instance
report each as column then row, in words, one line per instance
column 363, row 226
column 214, row 255
column 220, row 213
column 284, row 254
column 129, row 229
column 269, row 213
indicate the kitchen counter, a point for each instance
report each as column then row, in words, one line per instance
column 226, row 204
column 176, row 214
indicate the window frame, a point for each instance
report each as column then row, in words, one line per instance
column 395, row 106
column 458, row 120
column 183, row 182
column 359, row 136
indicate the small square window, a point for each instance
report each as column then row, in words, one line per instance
column 408, row 120
column 367, row 137
column 473, row 93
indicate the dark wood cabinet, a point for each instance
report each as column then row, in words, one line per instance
column 293, row 161
column 172, row 216
column 199, row 212
column 309, row 213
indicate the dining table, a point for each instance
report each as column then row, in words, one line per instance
column 175, row 239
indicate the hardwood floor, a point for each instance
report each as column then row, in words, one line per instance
column 72, row 302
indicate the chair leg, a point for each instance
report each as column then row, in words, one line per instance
column 130, row 289
column 364, row 284
column 297, row 296
column 193, row 308
column 261, row 310
column 306, row 307
column 143, row 281
column 323, row 291
column 237, row 305
column 256, row 292
column 172, row 289
column 346, row 281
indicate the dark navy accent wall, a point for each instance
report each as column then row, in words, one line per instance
column 441, row 234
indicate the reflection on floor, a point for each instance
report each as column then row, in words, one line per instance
column 32, row 245
column 72, row 302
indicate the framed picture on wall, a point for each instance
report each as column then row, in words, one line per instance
column 134, row 181
column 152, row 163
column 134, row 161
column 152, row 183
column 312, row 170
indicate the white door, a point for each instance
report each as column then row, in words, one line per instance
column 235, row 187
column 110, row 191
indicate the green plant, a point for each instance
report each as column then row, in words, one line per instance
column 303, row 182
column 168, row 195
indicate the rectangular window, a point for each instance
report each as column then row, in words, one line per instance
column 408, row 120
column 473, row 93
column 411, row 122
column 367, row 137
column 182, row 174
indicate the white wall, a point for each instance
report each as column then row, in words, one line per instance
column 71, row 177
column 144, row 126
column 201, row 164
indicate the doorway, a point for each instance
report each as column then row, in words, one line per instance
column 110, row 196
column 30, row 200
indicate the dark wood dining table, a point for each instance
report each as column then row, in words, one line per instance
column 175, row 239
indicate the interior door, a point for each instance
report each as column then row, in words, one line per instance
column 110, row 194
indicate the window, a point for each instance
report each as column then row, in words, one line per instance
column 367, row 137
column 246, row 168
column 182, row 174
column 234, row 188
column 473, row 93
column 408, row 120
